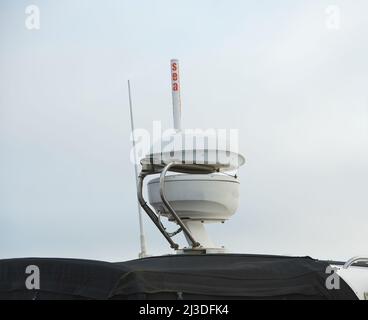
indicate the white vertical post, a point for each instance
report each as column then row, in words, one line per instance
column 142, row 239
column 175, row 88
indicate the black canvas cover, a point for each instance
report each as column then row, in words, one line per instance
column 217, row 276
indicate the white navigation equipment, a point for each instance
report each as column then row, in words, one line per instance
column 203, row 192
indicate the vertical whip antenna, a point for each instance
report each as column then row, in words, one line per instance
column 143, row 252
column 175, row 88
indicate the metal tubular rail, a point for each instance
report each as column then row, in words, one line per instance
column 171, row 209
column 350, row 262
column 151, row 213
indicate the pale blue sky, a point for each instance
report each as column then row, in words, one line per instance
column 296, row 90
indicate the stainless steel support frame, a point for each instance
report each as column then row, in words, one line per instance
column 349, row 263
column 171, row 209
column 153, row 216
column 151, row 213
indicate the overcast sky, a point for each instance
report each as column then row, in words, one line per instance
column 292, row 81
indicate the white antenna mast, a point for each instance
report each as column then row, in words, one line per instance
column 143, row 252
column 175, row 88
column 200, row 194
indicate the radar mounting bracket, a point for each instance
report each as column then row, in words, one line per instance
column 162, row 170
